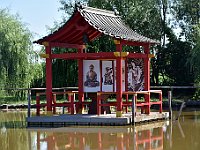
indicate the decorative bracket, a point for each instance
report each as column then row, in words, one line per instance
column 151, row 55
column 121, row 54
column 44, row 55
column 45, row 43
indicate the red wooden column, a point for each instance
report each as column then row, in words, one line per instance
column 118, row 78
column 80, row 84
column 48, row 77
column 147, row 77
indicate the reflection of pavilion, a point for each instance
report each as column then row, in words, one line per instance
column 119, row 138
column 150, row 139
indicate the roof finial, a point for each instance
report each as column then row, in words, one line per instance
column 78, row 4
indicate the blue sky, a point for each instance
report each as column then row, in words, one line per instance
column 36, row 14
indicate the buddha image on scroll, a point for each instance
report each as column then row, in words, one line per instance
column 91, row 77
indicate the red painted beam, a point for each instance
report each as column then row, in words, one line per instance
column 133, row 43
column 65, row 29
column 67, row 35
column 101, row 55
column 65, row 45
column 137, row 55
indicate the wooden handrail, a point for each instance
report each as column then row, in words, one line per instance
column 67, row 92
column 132, row 93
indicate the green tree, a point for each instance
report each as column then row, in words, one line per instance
column 176, row 70
column 186, row 16
column 194, row 59
column 15, row 51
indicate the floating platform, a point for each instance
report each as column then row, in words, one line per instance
column 93, row 120
column 95, row 129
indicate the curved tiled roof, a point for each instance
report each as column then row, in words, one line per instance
column 110, row 24
column 94, row 22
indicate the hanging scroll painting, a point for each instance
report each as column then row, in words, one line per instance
column 135, row 74
column 107, row 76
column 91, row 75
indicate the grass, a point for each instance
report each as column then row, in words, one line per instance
column 12, row 100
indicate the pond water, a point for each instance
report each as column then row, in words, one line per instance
column 168, row 135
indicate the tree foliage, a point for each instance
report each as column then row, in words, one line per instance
column 187, row 16
column 194, row 59
column 15, row 51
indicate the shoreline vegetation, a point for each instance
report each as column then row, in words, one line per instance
column 176, row 103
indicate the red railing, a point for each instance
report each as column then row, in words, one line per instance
column 69, row 103
column 101, row 96
column 127, row 103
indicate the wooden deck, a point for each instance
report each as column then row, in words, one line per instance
column 90, row 120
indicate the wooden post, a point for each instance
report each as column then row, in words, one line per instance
column 64, row 98
column 126, row 83
column 126, row 108
column 63, row 110
column 80, row 83
column 147, row 78
column 160, row 99
column 64, row 95
column 98, row 103
column 48, row 78
column 71, row 100
column 119, row 79
column 37, row 104
column 170, row 104
column 54, row 103
column 133, row 109
column 29, row 103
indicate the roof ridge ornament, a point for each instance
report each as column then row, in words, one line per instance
column 78, row 5
column 93, row 10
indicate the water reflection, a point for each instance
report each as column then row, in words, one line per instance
column 182, row 134
column 144, row 137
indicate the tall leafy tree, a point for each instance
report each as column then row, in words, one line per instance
column 187, row 16
column 15, row 51
column 194, row 59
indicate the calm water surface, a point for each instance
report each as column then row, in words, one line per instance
column 177, row 135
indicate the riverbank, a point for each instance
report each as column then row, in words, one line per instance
column 175, row 104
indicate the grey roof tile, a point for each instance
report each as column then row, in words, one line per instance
column 110, row 24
